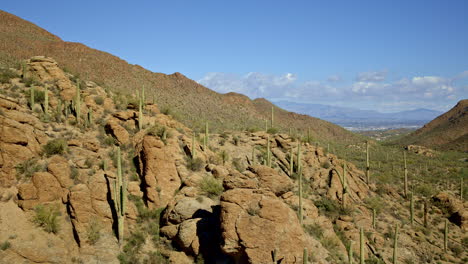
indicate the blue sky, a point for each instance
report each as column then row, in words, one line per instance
column 384, row 55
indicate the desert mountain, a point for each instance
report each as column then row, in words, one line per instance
column 189, row 101
column 448, row 131
column 86, row 178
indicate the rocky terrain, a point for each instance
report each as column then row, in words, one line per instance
column 188, row 197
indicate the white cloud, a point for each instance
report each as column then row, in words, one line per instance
column 372, row 76
column 371, row 89
column 334, row 78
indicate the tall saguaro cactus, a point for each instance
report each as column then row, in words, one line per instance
column 344, row 185
column 291, row 162
column 193, row 146
column 120, row 197
column 395, row 245
column 31, row 98
column 77, row 102
column 446, row 231
column 206, row 139
column 406, row 175
column 350, row 252
column 305, row 257
column 361, row 244
column 46, row 101
column 367, row 163
column 298, row 155
column 140, row 114
column 268, row 153
column 301, row 217
column 272, row 116
column 412, row 209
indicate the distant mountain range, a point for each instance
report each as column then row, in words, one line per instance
column 358, row 119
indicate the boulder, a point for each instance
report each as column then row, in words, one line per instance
column 117, row 131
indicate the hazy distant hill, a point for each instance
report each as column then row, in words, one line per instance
column 192, row 103
column 347, row 116
column 448, row 131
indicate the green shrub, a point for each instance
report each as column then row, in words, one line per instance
column 224, row 156
column 236, row 162
column 326, row 164
column 47, row 217
column 99, row 100
column 272, row 130
column 6, row 75
column 375, row 203
column 28, row 168
column 93, row 232
column 55, row 146
column 195, row 164
column 211, row 186
column 315, row 230
column 5, row 245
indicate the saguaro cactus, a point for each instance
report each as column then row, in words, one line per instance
column 120, row 197
column 298, row 155
column 350, row 252
column 272, row 116
column 268, row 153
column 308, row 135
column 90, row 117
column 253, row 155
column 374, row 215
column 46, row 100
column 291, row 163
column 425, row 213
column 461, row 188
column 395, row 245
column 361, row 244
column 205, row 139
column 367, row 163
column 193, row 146
column 31, row 98
column 344, row 184
column 446, row 231
column 406, row 175
column 140, row 114
column 412, row 209
column 305, row 257
column 77, row 102
column 300, row 198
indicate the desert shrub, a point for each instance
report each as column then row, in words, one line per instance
column 159, row 131
column 47, row 217
column 315, row 230
column 330, row 243
column 272, row 130
column 375, row 203
column 6, row 75
column 237, row 163
column 224, row 135
column 28, row 168
column 326, row 164
column 132, row 248
column 55, row 146
column 93, row 231
column 331, row 208
column 99, row 100
column 236, row 140
column 5, row 245
column 39, row 95
column 211, row 186
column 195, row 164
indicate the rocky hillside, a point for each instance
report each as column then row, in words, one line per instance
column 86, row 177
column 192, row 103
column 448, row 131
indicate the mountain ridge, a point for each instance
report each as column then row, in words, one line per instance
column 193, row 103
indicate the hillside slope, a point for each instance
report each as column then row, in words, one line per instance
column 85, row 179
column 192, row 103
column 448, row 131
